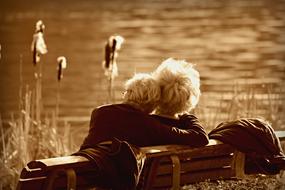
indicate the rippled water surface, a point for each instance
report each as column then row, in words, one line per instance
column 231, row 42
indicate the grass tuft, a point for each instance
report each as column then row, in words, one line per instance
column 25, row 139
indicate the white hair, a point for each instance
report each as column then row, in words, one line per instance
column 180, row 86
column 142, row 90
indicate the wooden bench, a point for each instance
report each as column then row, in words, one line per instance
column 168, row 166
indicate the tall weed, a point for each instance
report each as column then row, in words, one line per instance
column 24, row 140
column 244, row 101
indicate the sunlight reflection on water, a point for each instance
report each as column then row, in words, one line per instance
column 231, row 42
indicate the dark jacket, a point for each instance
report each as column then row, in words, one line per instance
column 126, row 123
column 257, row 139
column 118, row 164
column 120, row 167
column 189, row 122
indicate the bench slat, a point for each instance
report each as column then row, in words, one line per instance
column 58, row 161
column 195, row 165
column 208, row 150
column 166, row 180
column 280, row 135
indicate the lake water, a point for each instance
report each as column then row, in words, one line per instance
column 233, row 43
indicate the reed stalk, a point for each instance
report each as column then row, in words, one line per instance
column 4, row 155
column 112, row 47
column 39, row 93
column 29, row 136
column 244, row 101
column 57, row 100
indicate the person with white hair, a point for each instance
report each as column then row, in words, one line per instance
column 180, row 92
column 130, row 121
column 117, row 130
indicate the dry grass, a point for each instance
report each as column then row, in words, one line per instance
column 244, row 101
column 259, row 182
column 25, row 139
column 31, row 133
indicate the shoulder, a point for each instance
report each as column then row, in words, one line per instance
column 121, row 108
column 103, row 108
column 187, row 117
column 189, row 120
column 108, row 106
column 166, row 120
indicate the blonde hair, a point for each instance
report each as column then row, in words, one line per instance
column 180, row 86
column 142, row 90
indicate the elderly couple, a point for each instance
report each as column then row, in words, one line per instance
column 171, row 91
column 155, row 111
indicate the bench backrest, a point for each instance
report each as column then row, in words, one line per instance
column 181, row 166
column 165, row 167
column 168, row 166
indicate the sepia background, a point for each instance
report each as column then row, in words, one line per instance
column 237, row 46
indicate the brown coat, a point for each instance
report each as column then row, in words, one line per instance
column 257, row 139
column 127, row 123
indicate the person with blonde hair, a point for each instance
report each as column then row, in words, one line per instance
column 130, row 120
column 180, row 91
column 180, row 86
column 117, row 130
column 124, row 120
column 143, row 92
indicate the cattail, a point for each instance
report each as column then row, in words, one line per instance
column 111, row 52
column 109, row 64
column 62, row 64
column 38, row 48
column 38, row 45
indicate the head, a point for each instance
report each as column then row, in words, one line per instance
column 142, row 91
column 180, row 87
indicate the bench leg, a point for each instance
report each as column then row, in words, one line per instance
column 176, row 172
column 152, row 174
column 239, row 164
column 71, row 179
